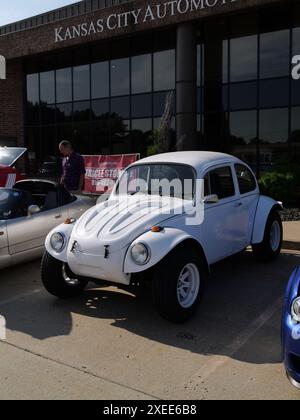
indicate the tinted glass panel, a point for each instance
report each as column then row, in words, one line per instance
column 141, row 73
column 81, row 75
column 33, row 88
column 243, row 58
column 81, row 111
column 274, row 54
column 47, row 81
column 243, row 136
column 295, row 132
column 100, row 108
column 159, row 103
column 64, row 112
column 64, row 85
column 120, row 77
column 246, row 180
column 274, row 93
column 141, row 106
column 121, row 107
column 164, row 70
column 296, row 92
column 100, row 80
column 243, row 95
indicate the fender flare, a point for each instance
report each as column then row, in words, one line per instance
column 264, row 207
column 66, row 230
column 160, row 245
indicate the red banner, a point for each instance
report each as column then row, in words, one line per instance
column 103, row 171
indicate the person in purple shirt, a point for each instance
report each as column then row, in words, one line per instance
column 73, row 169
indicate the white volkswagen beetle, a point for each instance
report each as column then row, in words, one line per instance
column 169, row 218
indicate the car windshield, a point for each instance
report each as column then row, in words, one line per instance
column 13, row 203
column 9, row 155
column 165, row 180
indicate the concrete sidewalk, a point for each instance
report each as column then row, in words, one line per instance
column 291, row 236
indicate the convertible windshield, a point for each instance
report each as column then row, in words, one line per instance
column 13, row 203
column 166, row 180
column 9, row 155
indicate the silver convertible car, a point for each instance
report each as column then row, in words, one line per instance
column 28, row 212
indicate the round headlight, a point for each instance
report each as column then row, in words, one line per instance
column 57, row 241
column 296, row 310
column 140, row 254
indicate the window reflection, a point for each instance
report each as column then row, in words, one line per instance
column 64, row 85
column 141, row 74
column 47, row 83
column 100, row 80
column 243, row 58
column 141, row 106
column 243, row 136
column 274, row 54
column 120, row 77
column 81, row 77
column 295, row 132
column 164, row 70
column 33, row 95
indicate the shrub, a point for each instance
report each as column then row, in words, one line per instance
column 281, row 186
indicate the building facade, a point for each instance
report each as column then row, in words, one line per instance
column 98, row 73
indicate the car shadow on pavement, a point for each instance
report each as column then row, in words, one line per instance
column 239, row 317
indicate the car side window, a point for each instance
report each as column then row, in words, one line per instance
column 246, row 180
column 219, row 182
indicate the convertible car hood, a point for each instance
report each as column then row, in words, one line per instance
column 119, row 221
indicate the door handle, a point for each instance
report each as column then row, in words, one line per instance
column 238, row 204
column 57, row 216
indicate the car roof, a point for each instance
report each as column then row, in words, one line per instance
column 197, row 159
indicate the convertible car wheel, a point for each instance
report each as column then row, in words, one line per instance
column 178, row 285
column 270, row 248
column 59, row 280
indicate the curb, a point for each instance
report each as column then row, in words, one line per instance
column 294, row 246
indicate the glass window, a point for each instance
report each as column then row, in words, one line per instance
column 121, row 107
column 274, row 93
column 64, row 113
column 275, row 54
column 101, row 138
column 243, row 136
column 159, row 103
column 64, row 85
column 141, row 135
column 81, row 111
column 141, row 73
column 120, row 77
column 120, row 136
column 100, row 108
column 141, row 106
column 33, row 95
column 225, row 60
column 295, row 92
column 164, row 70
column 273, row 136
column 47, row 81
column 220, row 183
column 199, row 65
column 81, row 77
column 100, row 80
column 246, row 180
column 243, row 95
column 295, row 131
column 47, row 113
column 243, row 58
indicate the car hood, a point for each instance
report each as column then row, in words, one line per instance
column 118, row 222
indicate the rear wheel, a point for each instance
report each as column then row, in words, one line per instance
column 178, row 284
column 59, row 280
column 270, row 247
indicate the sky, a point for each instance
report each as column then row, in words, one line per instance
column 14, row 10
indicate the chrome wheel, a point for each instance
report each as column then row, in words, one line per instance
column 188, row 286
column 275, row 236
column 292, row 381
column 68, row 276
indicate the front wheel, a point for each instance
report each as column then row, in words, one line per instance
column 178, row 284
column 59, row 280
column 270, row 247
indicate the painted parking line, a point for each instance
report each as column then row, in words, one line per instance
column 215, row 362
column 19, row 297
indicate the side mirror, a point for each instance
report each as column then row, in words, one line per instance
column 33, row 209
column 211, row 199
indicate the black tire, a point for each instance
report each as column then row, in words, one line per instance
column 54, row 281
column 264, row 251
column 165, row 284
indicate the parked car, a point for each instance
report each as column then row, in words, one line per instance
column 9, row 156
column 28, row 212
column 50, row 170
column 291, row 329
column 172, row 236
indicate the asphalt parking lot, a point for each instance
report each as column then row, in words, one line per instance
column 110, row 344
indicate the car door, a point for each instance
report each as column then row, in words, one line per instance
column 217, row 232
column 249, row 195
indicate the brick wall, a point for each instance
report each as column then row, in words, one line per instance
column 11, row 105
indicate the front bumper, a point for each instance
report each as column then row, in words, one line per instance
column 291, row 332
